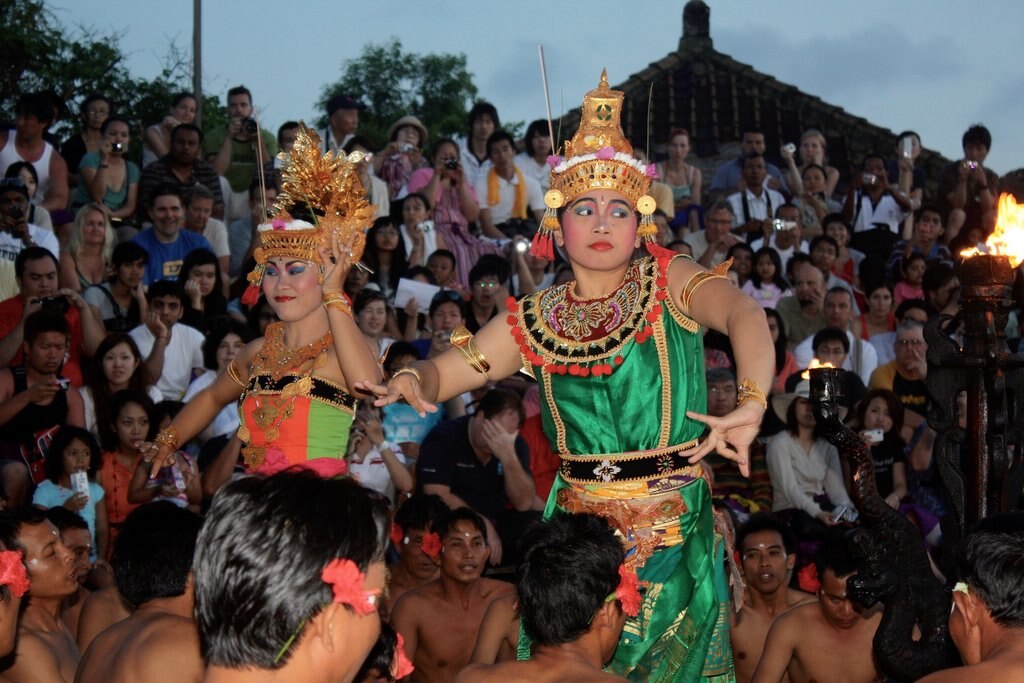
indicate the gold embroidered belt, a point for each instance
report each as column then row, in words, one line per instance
column 624, row 467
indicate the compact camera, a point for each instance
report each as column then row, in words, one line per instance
column 971, row 164
column 451, row 164
column 779, row 225
column 56, row 304
column 117, row 147
column 869, row 178
column 789, row 148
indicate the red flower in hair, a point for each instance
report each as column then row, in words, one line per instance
column 807, row 579
column 12, row 572
column 400, row 664
column 628, row 591
column 396, row 534
column 347, row 582
column 431, row 545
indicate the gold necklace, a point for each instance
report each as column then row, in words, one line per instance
column 277, row 360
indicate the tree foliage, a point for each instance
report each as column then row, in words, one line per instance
column 436, row 88
column 38, row 54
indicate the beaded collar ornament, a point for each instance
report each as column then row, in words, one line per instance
column 325, row 188
column 598, row 157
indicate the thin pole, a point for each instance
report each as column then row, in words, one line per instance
column 197, row 58
column 547, row 98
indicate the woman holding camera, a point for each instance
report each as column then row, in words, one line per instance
column 403, row 154
column 156, row 141
column 106, row 176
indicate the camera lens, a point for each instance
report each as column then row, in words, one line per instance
column 451, row 164
column 249, row 126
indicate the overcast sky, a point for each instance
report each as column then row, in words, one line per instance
column 931, row 65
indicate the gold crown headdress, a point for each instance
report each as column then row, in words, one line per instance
column 598, row 157
column 327, row 189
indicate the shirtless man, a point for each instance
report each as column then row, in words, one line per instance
column 74, row 532
column 828, row 641
column 440, row 620
column 990, row 571
column 102, row 608
column 766, row 549
column 499, row 632
column 414, row 518
column 45, row 649
column 568, row 583
column 152, row 567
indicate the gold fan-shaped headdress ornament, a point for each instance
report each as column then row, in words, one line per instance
column 324, row 187
column 598, row 157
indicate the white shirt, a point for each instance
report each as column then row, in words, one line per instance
column 759, row 208
column 539, row 172
column 472, row 168
column 887, row 211
column 860, row 350
column 183, row 353
column 11, row 246
column 226, row 421
column 216, row 233
column 798, row 476
column 502, row 211
column 373, row 473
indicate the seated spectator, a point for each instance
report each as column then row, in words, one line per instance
column 911, row 278
column 742, row 268
column 684, row 180
column 439, row 620
column 512, row 203
column 87, row 261
column 287, row 133
column 485, row 281
column 824, row 251
column 152, row 566
column 447, row 311
column 884, row 342
column 166, row 241
column 205, row 306
column 878, row 418
column 173, row 352
column 418, row 233
column 573, row 601
column 860, row 357
column 813, row 153
column 16, row 233
column 35, row 400
column 385, row 256
column 301, row 602
column 783, row 235
column 473, row 149
column 36, row 274
column 106, row 177
column 370, row 310
column 94, row 112
column 767, row 555
column 847, row 263
column 45, row 649
column 766, row 284
column 807, row 641
column 969, row 189
column 26, row 173
column 450, row 192
column 754, row 205
column 117, row 366
column 803, row 311
column 35, row 112
column 157, row 139
column 785, row 363
column 75, row 450
column 986, row 621
column 832, row 346
column 905, row 375
column 132, row 423
column 199, row 220
column 242, row 231
column 807, row 480
column 181, row 169
column 905, row 176
column 924, row 240
column 729, row 176
column 744, row 496
column 407, row 138
column 219, row 348
column 941, row 289
column 711, row 244
column 402, row 424
column 414, row 519
column 815, row 203
column 120, row 301
column 481, row 462
column 878, row 318
column 376, row 189
column 375, row 462
column 74, row 533
column 342, row 123
column 533, row 160
column 869, row 203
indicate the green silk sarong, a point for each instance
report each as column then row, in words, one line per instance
column 681, row 633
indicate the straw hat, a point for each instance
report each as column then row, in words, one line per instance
column 780, row 402
column 409, row 121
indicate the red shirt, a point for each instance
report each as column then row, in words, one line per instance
column 10, row 315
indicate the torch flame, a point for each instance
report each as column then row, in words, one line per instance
column 1008, row 237
column 806, row 374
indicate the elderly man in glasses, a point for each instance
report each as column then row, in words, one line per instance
column 906, row 375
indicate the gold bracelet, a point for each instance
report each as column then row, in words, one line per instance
column 338, row 300
column 698, row 279
column 169, row 437
column 749, row 391
column 234, row 373
column 462, row 339
column 409, row 371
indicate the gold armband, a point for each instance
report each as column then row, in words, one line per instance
column 234, row 374
column 169, row 437
column 747, row 390
column 462, row 339
column 338, row 300
column 698, row 279
column 409, row 371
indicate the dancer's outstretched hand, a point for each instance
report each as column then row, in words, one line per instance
column 401, row 387
column 730, row 435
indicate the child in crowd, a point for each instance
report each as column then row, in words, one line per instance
column 179, row 483
column 131, row 424
column 912, row 272
column 766, row 284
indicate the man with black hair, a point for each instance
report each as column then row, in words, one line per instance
column 166, row 241
column 119, row 302
column 181, row 168
column 16, row 232
column 869, row 202
column 754, row 206
column 414, row 519
column 439, row 621
column 74, row 532
column 482, row 121
column 265, row 606
column 511, row 202
column 567, row 585
column 45, row 649
column 35, row 400
column 343, row 122
column 832, row 345
column 173, row 353
column 941, row 289
column 35, row 113
column 481, row 462
column 486, row 283
column 987, row 621
column 728, row 176
column 767, row 555
column 830, row 640
column 153, row 569
column 969, row 189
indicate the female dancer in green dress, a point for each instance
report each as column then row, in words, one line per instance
column 619, row 359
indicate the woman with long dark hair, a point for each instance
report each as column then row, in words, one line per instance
column 117, row 365
column 206, row 307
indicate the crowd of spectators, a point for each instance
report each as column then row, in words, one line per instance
column 120, row 283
